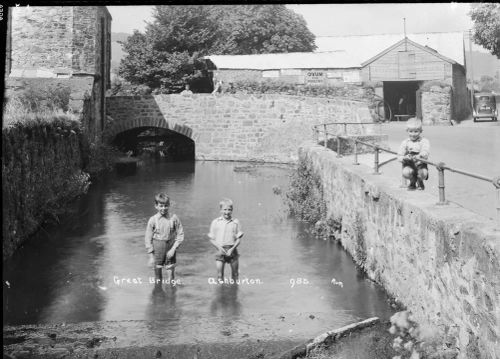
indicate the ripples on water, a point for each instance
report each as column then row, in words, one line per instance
column 93, row 267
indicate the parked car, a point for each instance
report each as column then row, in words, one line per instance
column 485, row 106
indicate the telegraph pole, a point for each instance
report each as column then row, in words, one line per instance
column 404, row 29
column 471, row 70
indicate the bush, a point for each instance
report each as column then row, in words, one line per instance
column 42, row 97
column 123, row 88
column 426, row 86
column 349, row 91
column 101, row 158
column 418, row 341
column 42, row 159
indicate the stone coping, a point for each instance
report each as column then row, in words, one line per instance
column 326, row 338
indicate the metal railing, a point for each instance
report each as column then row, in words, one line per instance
column 440, row 166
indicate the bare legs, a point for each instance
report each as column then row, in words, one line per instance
column 234, row 269
column 415, row 178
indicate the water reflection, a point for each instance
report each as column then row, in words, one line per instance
column 94, row 268
column 162, row 312
column 225, row 302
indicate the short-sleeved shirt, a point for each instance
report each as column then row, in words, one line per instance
column 420, row 146
column 163, row 228
column 225, row 232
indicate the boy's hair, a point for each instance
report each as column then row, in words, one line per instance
column 225, row 201
column 162, row 198
column 414, row 123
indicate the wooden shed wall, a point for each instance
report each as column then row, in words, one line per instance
column 326, row 77
column 415, row 64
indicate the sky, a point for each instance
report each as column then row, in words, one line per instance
column 342, row 19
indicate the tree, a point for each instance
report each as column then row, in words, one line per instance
column 486, row 18
column 166, row 55
column 257, row 29
column 169, row 53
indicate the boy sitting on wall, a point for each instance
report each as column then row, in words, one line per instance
column 411, row 151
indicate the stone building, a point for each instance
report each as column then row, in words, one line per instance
column 62, row 46
column 431, row 80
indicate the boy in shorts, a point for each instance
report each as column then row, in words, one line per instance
column 164, row 234
column 412, row 149
column 225, row 234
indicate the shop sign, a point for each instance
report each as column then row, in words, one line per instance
column 315, row 77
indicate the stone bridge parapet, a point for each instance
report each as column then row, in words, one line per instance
column 236, row 126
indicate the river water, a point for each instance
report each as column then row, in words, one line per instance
column 93, row 267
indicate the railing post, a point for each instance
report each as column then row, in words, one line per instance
column 440, row 168
column 326, row 137
column 496, row 183
column 338, row 147
column 376, row 162
column 355, row 152
column 345, row 128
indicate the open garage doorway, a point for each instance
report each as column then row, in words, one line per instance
column 403, row 98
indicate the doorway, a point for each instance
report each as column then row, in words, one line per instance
column 402, row 97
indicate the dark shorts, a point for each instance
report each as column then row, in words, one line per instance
column 160, row 252
column 415, row 167
column 227, row 259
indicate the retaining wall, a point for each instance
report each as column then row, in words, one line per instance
column 442, row 262
column 237, row 127
column 41, row 172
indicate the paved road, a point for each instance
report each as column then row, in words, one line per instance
column 472, row 147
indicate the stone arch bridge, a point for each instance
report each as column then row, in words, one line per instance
column 234, row 127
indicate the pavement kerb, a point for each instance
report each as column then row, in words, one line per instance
column 325, row 338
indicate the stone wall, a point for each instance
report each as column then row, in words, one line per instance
column 436, row 106
column 238, row 127
column 57, row 41
column 42, row 164
column 70, row 43
column 42, row 39
column 442, row 262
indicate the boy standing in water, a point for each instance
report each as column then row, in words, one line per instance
column 225, row 234
column 414, row 148
column 164, row 234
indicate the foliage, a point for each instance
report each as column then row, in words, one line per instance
column 489, row 84
column 42, row 159
column 101, row 158
column 305, row 195
column 486, row 18
column 124, row 88
column 352, row 92
column 427, row 85
column 169, row 53
column 43, row 97
column 420, row 341
column 259, row 29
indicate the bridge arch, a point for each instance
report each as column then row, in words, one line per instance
column 119, row 126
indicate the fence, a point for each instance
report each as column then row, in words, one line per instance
column 440, row 166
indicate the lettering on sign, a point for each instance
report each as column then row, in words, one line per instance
column 315, row 77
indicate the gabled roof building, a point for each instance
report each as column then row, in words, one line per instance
column 397, row 66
